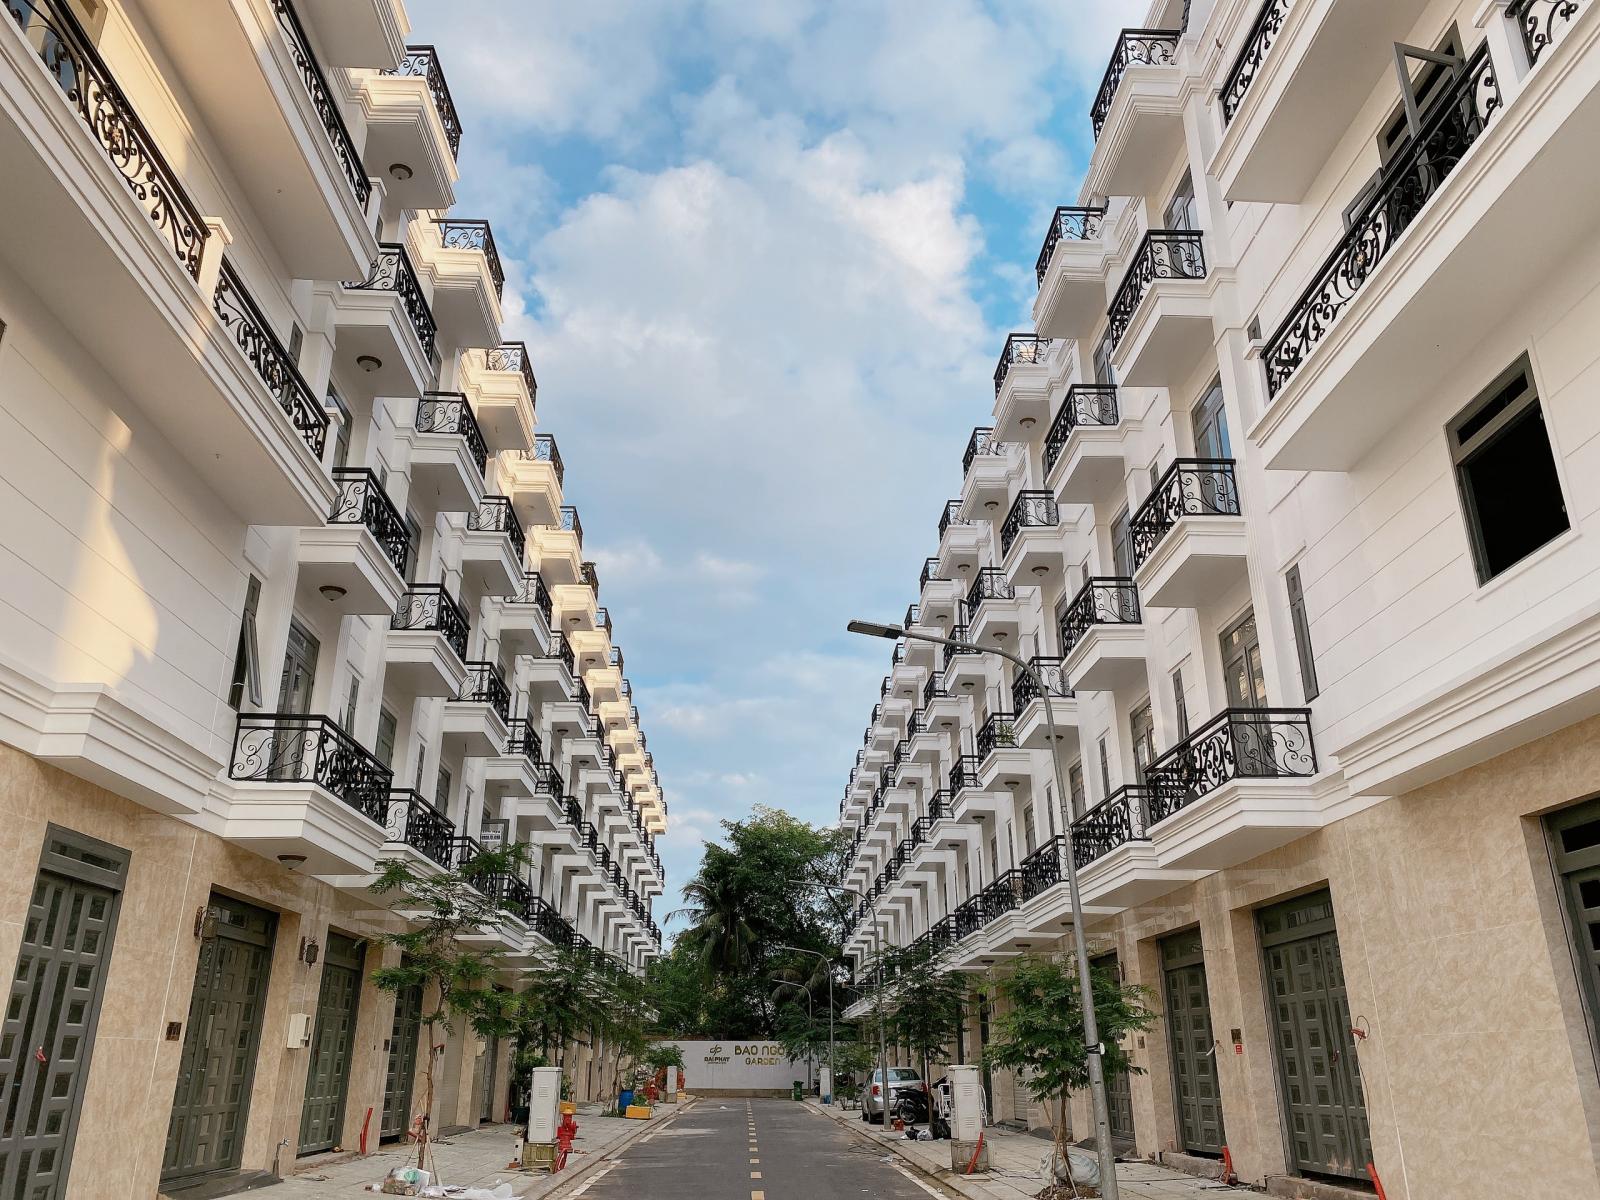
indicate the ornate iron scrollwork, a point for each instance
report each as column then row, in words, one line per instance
column 1542, row 22
column 1030, row 510
column 457, row 234
column 1069, row 223
column 423, row 61
column 1020, row 348
column 495, row 515
column 297, row 748
column 1085, row 404
column 344, row 147
column 392, row 272
column 1190, row 487
column 1162, row 254
column 1103, row 600
column 240, row 316
column 513, row 356
column 1135, row 48
column 1238, row 743
column 449, row 413
column 362, row 501
column 1269, row 21
column 1119, row 819
column 427, row 606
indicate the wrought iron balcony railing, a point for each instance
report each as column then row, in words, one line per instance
column 990, row 584
column 514, row 356
column 1024, row 690
column 1191, row 487
column 591, row 576
column 930, row 572
column 1002, row 895
column 428, row 607
column 1069, row 223
column 545, row 450
column 933, row 690
column 547, row 781
column 1135, row 48
column 951, row 516
column 1030, row 510
column 1103, row 600
column 1238, row 743
column 486, row 685
column 939, row 805
column 524, row 739
column 1042, row 869
column 450, row 413
column 968, row 917
column 1451, row 125
column 1120, row 818
column 1268, row 24
column 982, row 442
column 570, row 523
column 392, row 272
column 561, row 650
column 495, row 515
column 52, row 30
column 549, row 924
column 961, row 633
column 456, row 234
column 1543, row 22
column 1020, row 348
column 998, row 732
column 301, row 748
column 362, row 501
column 412, row 821
column 253, row 334
column 1085, row 404
column 913, row 615
column 964, row 773
column 423, row 61
column 322, row 99
column 532, row 590
column 464, row 851
column 1162, row 254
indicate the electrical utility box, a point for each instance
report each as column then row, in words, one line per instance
column 673, row 1084
column 544, row 1104
column 966, row 1103
column 825, row 1083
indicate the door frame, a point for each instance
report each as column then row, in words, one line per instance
column 1183, row 963
column 356, row 964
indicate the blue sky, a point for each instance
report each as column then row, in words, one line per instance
column 765, row 253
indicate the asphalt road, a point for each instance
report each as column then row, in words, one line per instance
column 740, row 1149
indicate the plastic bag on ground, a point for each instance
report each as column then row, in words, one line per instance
column 1080, row 1167
column 500, row 1191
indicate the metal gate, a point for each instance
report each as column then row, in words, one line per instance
column 332, row 1043
column 1194, row 1059
column 1119, row 1086
column 212, row 1098
column 1316, row 1054
column 50, row 1019
column 486, row 1104
column 402, row 1068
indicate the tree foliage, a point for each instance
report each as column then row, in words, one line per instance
column 924, row 1002
column 1040, row 1031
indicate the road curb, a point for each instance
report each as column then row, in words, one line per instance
column 573, row 1176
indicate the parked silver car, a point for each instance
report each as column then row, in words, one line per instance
column 901, row 1079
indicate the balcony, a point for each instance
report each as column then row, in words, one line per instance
column 415, row 829
column 1072, row 271
column 413, row 132
column 357, row 562
column 1118, row 866
column 1188, row 536
column 1240, row 785
column 519, row 770
column 940, row 597
column 493, row 549
column 475, row 719
column 1399, row 304
column 964, row 670
column 560, row 548
column 1102, row 635
column 305, row 792
column 969, row 800
column 386, row 328
column 427, row 647
column 468, row 281
column 1030, row 537
column 1138, row 115
column 1299, row 80
column 993, row 611
column 505, row 396
column 253, row 72
column 533, row 478
column 358, row 33
column 1161, row 315
column 1083, row 454
column 525, row 616
column 448, row 454
column 986, row 469
column 1022, row 384
column 960, row 539
column 1028, row 691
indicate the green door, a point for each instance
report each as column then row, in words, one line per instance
column 402, row 1068
column 1318, row 1073
column 486, row 1102
column 212, row 1098
column 1194, row 1058
column 50, row 1017
column 1119, row 1088
column 332, row 1044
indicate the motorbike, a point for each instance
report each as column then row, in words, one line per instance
column 913, row 1108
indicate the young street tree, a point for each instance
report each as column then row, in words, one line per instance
column 925, row 1003
column 1040, row 1031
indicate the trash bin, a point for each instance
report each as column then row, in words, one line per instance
column 623, row 1100
column 798, row 1092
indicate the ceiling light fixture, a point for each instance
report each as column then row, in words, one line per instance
column 400, row 171
column 368, row 363
column 331, row 592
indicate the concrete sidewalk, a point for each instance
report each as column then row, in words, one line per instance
column 1014, row 1165
column 479, row 1158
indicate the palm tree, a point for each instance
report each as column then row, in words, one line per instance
column 719, row 935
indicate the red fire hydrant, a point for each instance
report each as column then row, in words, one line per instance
column 566, row 1134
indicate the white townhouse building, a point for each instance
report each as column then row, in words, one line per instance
column 1287, row 495
column 288, row 586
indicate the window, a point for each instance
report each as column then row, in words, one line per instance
column 1179, row 704
column 1105, row 770
column 1103, row 374
column 414, row 546
column 1050, row 809
column 1183, row 212
column 1574, row 835
column 1506, row 472
column 1210, row 420
column 1426, row 86
column 1155, row 474
column 351, row 700
column 388, row 727
column 1122, row 545
column 246, row 682
column 1080, row 802
column 1027, row 829
column 422, row 754
column 297, row 339
column 340, row 419
column 441, row 791
column 1143, row 727
column 994, row 857
column 1241, row 665
column 1302, row 633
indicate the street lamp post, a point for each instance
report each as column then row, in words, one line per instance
column 1091, row 1025
column 883, row 1036
column 828, row 962
column 811, row 1010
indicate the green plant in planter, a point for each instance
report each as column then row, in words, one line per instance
column 1005, row 735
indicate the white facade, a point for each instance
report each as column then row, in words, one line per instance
column 1310, row 400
